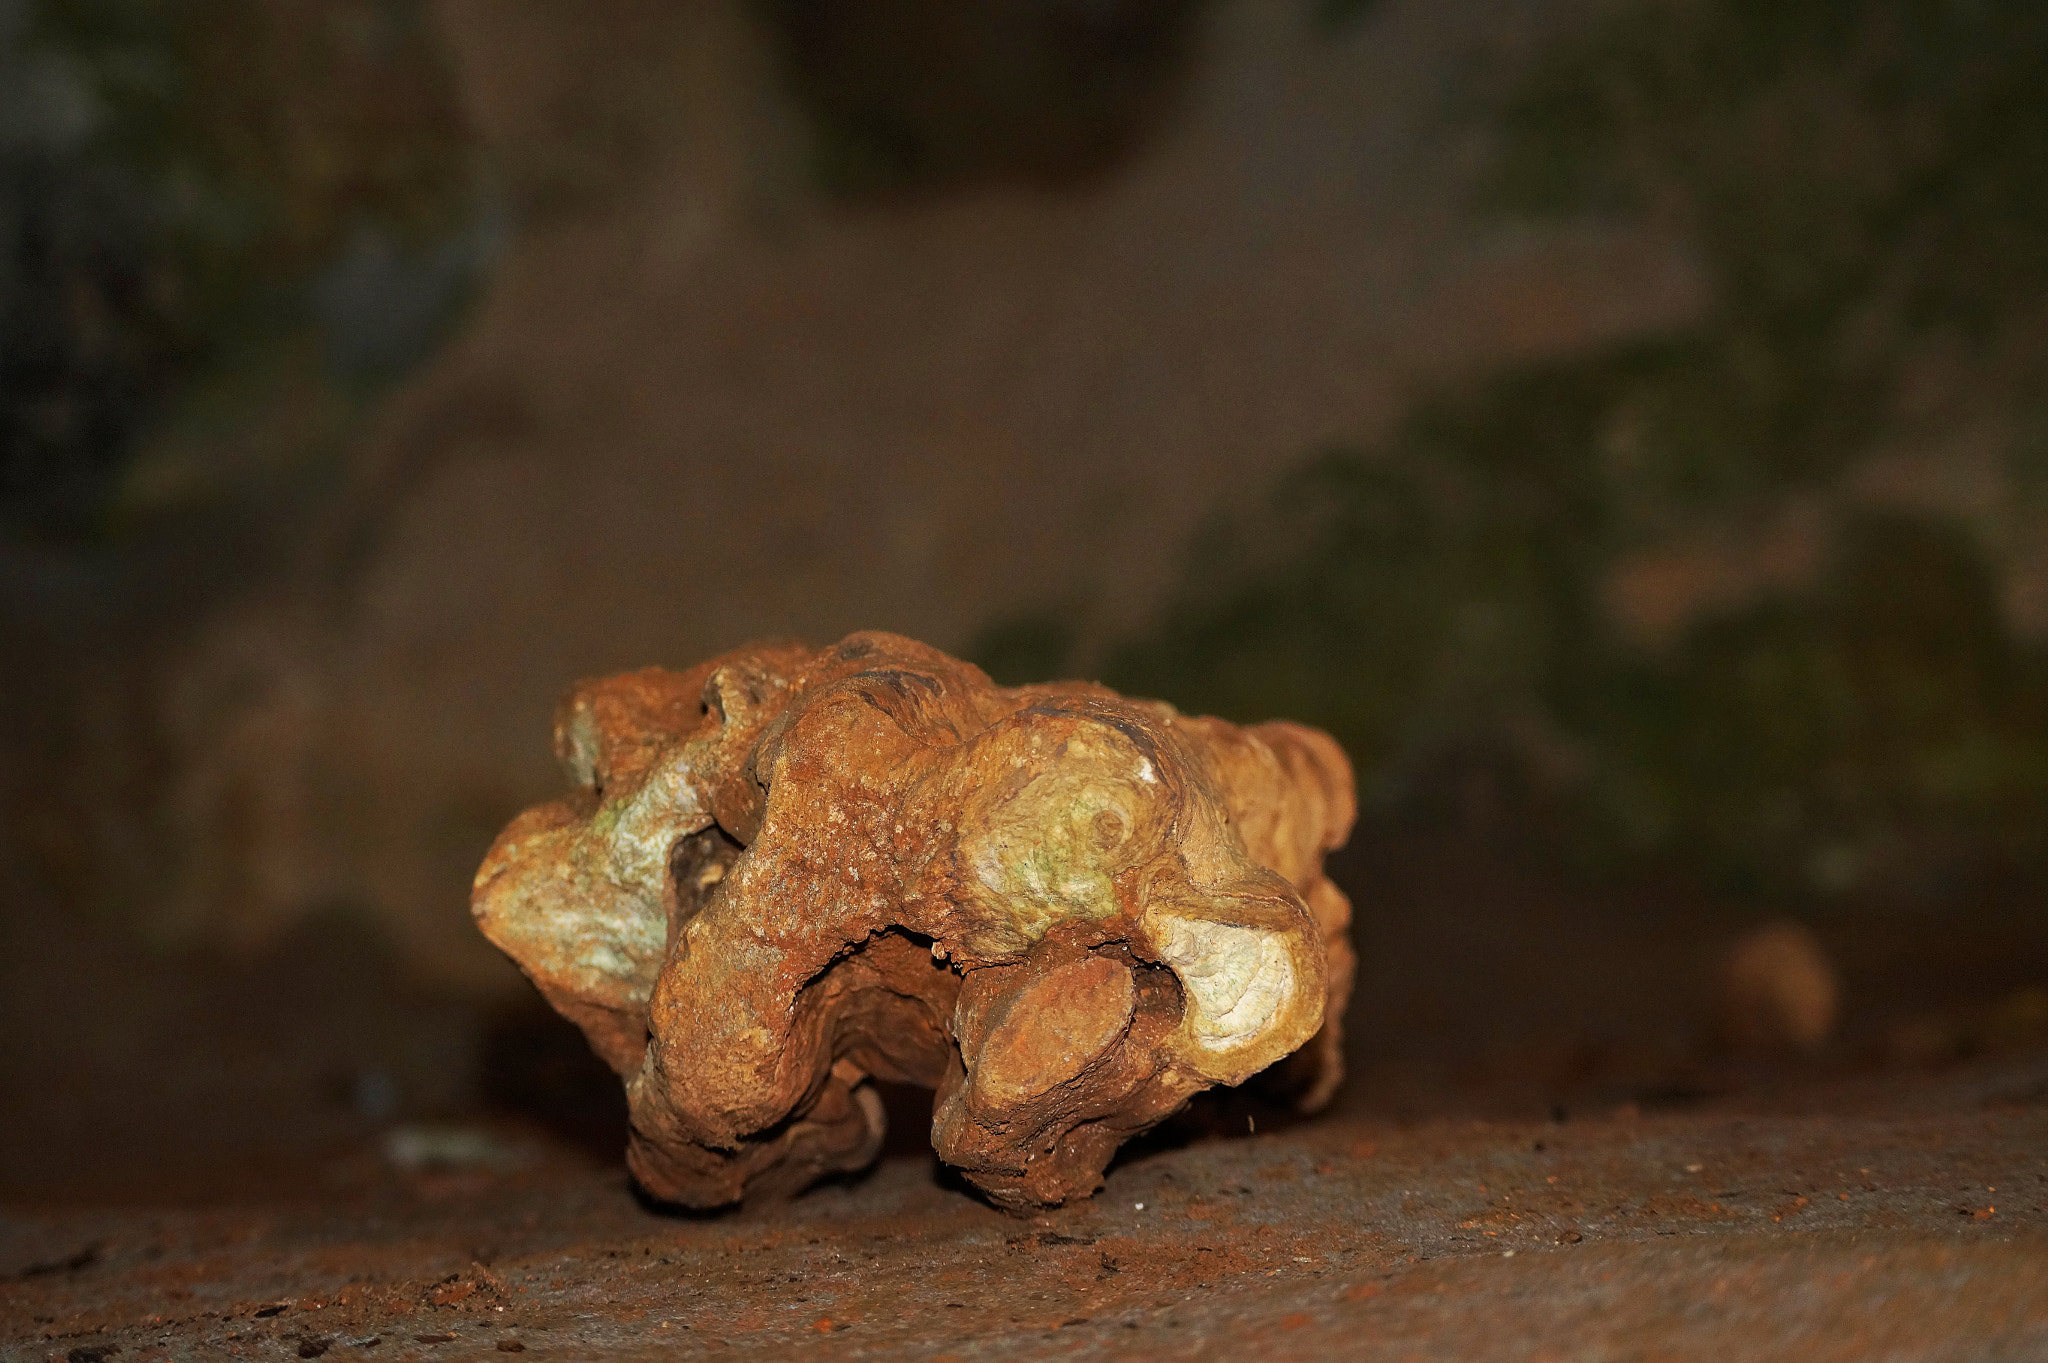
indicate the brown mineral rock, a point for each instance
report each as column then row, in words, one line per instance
column 1779, row 990
column 786, row 872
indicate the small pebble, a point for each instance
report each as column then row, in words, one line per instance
column 1779, row 990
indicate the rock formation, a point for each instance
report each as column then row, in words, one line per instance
column 785, row 872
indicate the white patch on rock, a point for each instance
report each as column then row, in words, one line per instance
column 603, row 959
column 1237, row 978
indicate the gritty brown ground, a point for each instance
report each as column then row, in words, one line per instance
column 188, row 1169
column 1852, row 1219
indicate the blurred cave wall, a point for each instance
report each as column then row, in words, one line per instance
column 700, row 397
column 739, row 339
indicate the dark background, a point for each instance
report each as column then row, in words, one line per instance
column 1622, row 424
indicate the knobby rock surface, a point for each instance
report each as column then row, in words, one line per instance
column 786, row 872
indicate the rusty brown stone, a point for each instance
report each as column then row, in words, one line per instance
column 1779, row 990
column 786, row 872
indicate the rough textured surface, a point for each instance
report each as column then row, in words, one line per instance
column 1904, row 1218
column 785, row 872
column 179, row 1181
